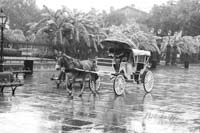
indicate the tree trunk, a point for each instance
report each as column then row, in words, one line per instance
column 168, row 54
column 186, row 60
column 174, row 55
column 61, row 39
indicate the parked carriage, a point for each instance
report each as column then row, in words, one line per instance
column 124, row 63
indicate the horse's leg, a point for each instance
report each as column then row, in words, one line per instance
column 72, row 88
column 68, row 83
column 83, row 84
column 93, row 78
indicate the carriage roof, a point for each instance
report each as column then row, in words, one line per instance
column 118, row 43
column 124, row 44
column 141, row 52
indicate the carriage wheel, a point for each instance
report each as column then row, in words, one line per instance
column 119, row 85
column 92, row 86
column 148, row 81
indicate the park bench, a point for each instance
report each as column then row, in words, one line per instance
column 7, row 80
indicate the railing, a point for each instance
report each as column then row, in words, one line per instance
column 18, row 63
column 105, row 65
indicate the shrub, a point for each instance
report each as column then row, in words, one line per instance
column 11, row 52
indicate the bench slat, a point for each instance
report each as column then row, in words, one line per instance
column 11, row 84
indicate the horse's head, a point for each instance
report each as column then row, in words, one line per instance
column 64, row 61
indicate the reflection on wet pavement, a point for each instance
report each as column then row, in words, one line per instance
column 39, row 107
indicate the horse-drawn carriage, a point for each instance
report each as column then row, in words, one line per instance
column 124, row 63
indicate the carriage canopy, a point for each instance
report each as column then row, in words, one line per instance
column 140, row 52
column 114, row 42
column 123, row 45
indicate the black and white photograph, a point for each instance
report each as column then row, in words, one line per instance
column 99, row 66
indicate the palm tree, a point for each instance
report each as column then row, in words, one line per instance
column 51, row 26
column 68, row 29
column 86, row 29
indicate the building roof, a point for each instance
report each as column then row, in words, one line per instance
column 134, row 9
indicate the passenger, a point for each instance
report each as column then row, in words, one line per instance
column 130, row 65
column 124, row 59
column 131, row 59
column 117, row 59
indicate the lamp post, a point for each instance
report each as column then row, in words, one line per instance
column 3, row 19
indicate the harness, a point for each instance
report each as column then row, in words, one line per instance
column 69, row 60
column 77, row 63
column 70, row 63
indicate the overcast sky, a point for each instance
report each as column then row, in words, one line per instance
column 86, row 5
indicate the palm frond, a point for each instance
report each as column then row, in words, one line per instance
column 48, row 11
column 51, row 22
column 67, row 26
column 43, row 29
column 46, row 15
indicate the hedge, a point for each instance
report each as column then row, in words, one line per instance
column 11, row 52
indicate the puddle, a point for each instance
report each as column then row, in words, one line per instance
column 116, row 130
column 54, row 117
column 39, row 107
column 76, row 122
column 69, row 128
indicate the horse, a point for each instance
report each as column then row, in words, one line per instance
column 70, row 66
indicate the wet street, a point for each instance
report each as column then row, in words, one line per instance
column 173, row 106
